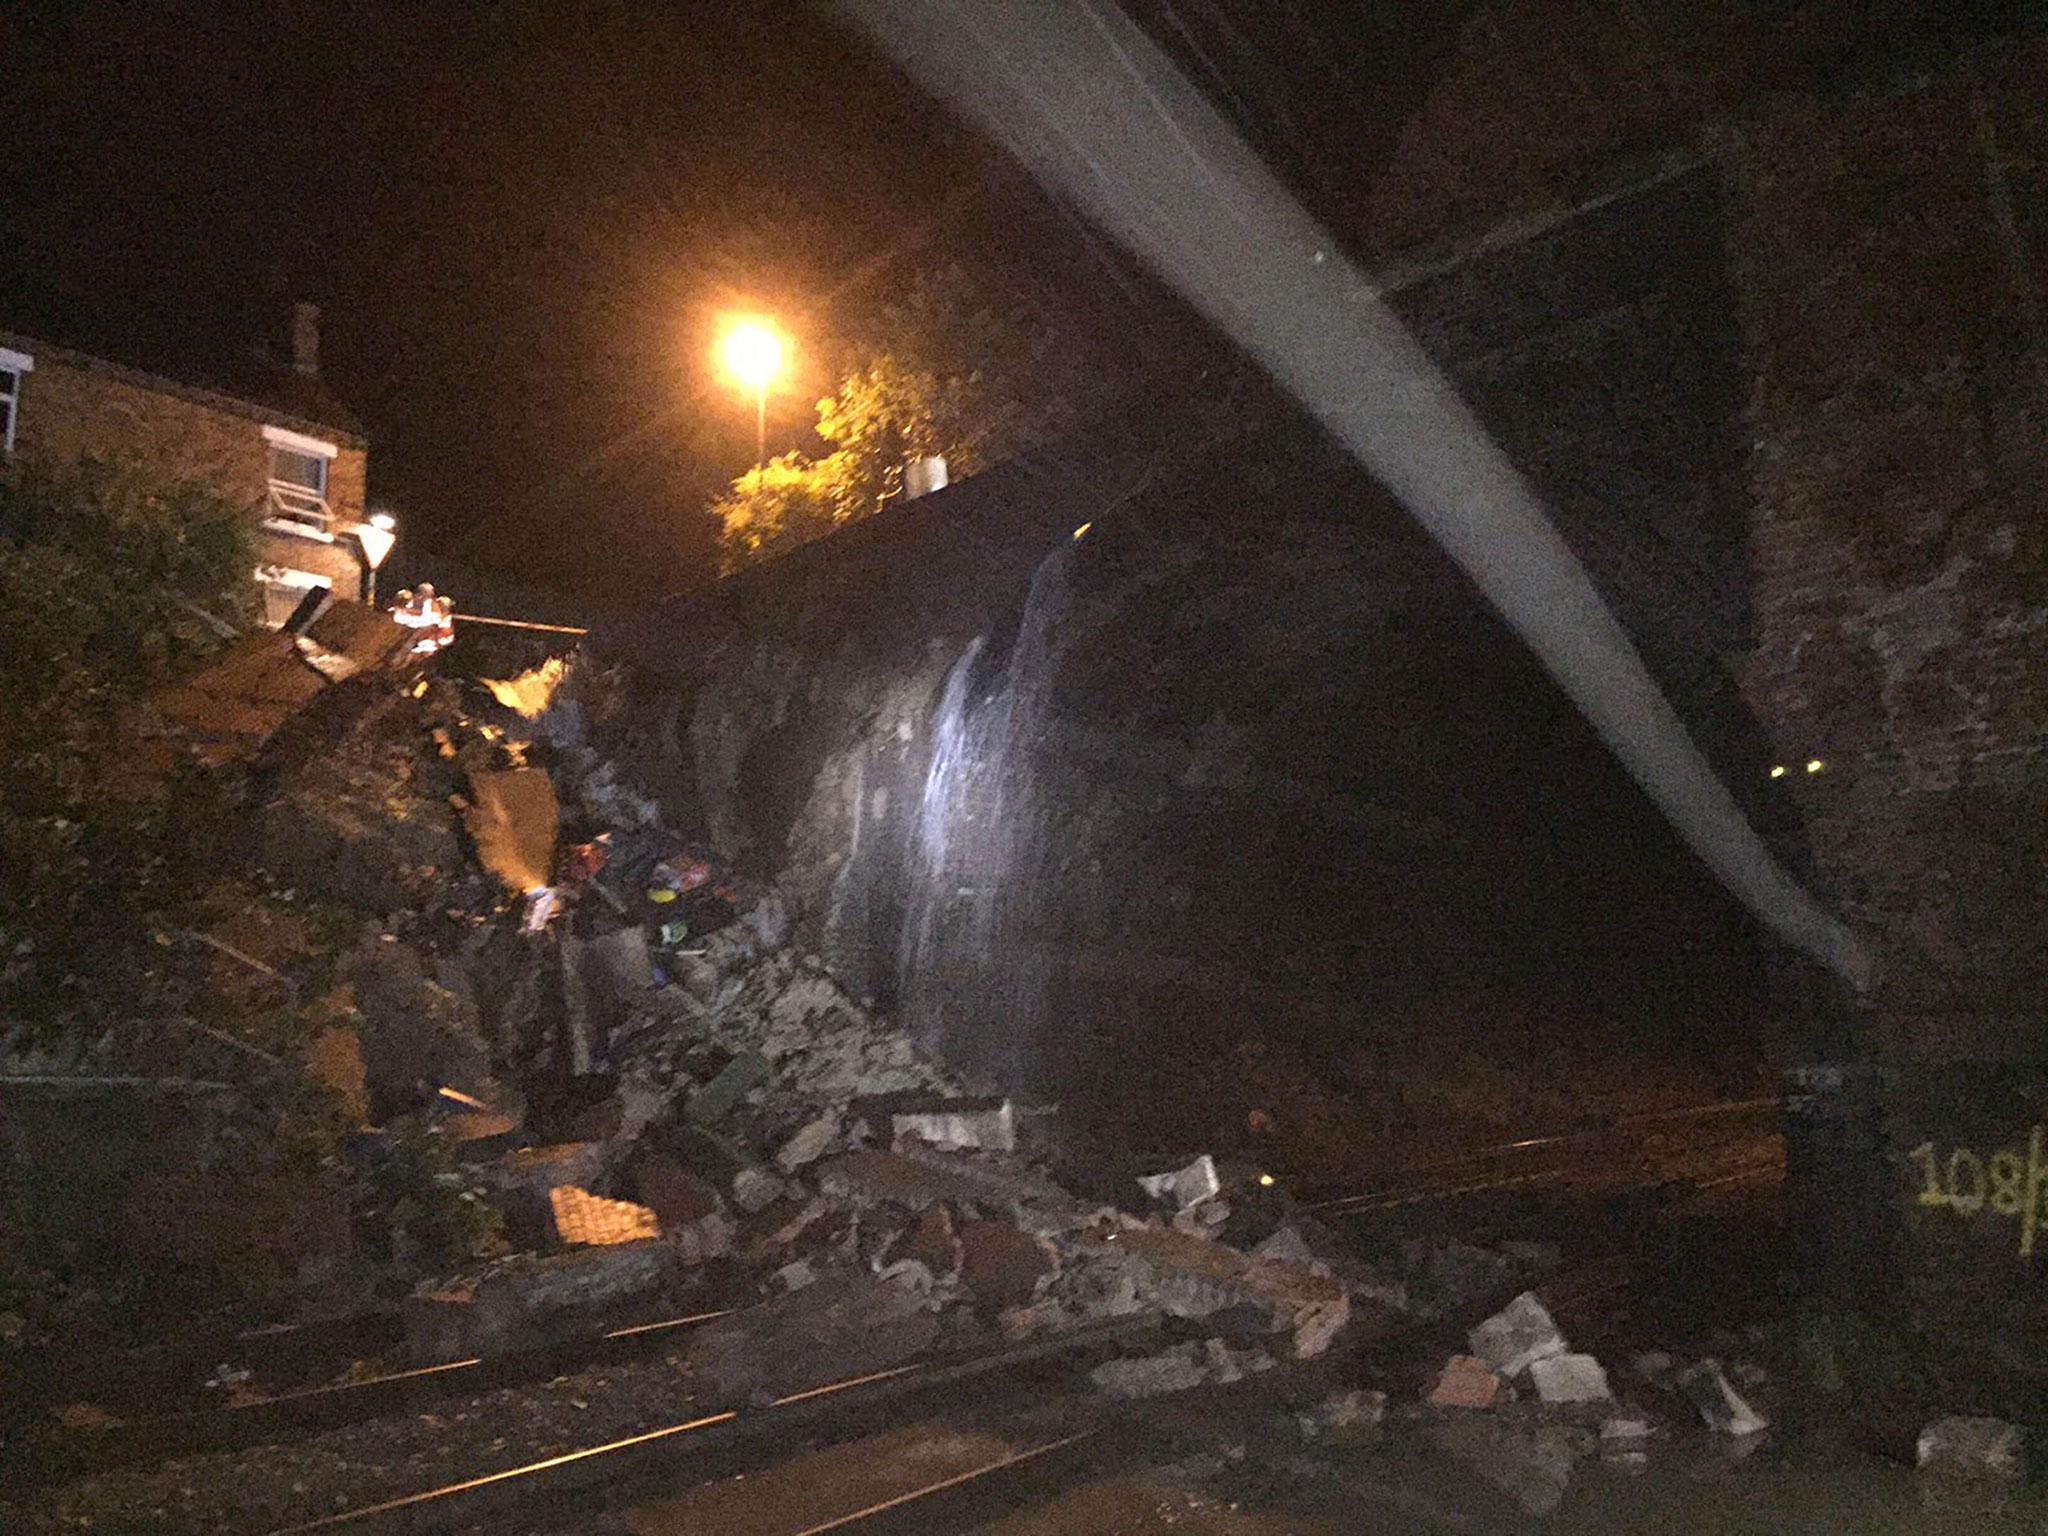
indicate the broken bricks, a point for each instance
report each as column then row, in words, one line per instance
column 1465, row 1382
column 1719, row 1404
column 588, row 1220
column 1517, row 1336
column 1189, row 1276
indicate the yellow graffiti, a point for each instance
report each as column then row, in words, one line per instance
column 2010, row 1183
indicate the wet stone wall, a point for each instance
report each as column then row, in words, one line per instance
column 1246, row 766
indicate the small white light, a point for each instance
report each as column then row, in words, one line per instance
column 383, row 520
column 1777, row 770
column 1082, row 529
column 1814, row 765
column 1265, row 1181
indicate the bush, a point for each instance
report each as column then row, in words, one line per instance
column 106, row 579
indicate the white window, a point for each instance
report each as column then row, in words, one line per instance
column 13, row 367
column 298, row 481
column 284, row 589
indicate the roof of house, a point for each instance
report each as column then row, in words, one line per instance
column 250, row 383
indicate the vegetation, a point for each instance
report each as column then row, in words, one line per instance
column 945, row 372
column 108, row 581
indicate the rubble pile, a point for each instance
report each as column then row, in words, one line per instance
column 1522, row 1409
column 669, row 1104
column 624, row 1057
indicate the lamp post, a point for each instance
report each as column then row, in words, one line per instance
column 377, row 535
column 752, row 351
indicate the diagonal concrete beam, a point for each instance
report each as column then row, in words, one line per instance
column 1102, row 118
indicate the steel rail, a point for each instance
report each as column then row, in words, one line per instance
column 958, row 1480
column 334, row 1404
column 1626, row 1128
column 614, row 1462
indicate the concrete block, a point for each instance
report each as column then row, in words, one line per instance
column 1175, row 1370
column 1188, row 1276
column 529, row 1303
column 1532, row 1469
column 969, row 1127
column 1517, row 1336
column 1570, row 1379
column 1973, row 1448
column 809, row 1144
column 755, row 1189
column 1344, row 1416
column 934, row 1242
column 719, row 1097
column 1185, row 1186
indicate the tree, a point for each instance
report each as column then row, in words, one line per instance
column 941, row 373
column 772, row 509
column 106, row 578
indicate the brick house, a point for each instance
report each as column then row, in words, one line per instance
column 265, row 433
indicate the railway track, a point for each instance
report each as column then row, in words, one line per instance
column 1739, row 1137
column 643, row 1470
column 283, row 1416
column 1635, row 1152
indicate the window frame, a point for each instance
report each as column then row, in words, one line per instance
column 16, row 367
column 293, row 507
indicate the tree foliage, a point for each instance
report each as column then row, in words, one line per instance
column 943, row 372
column 773, row 508
column 106, row 578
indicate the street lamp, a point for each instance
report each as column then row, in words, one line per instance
column 377, row 535
column 752, row 351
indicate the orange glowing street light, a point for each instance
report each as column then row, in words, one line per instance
column 753, row 352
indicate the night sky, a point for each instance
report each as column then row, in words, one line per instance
column 522, row 221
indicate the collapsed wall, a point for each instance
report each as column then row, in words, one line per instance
column 1129, row 773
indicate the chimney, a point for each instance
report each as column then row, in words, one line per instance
column 306, row 339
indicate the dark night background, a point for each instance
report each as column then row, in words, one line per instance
column 521, row 221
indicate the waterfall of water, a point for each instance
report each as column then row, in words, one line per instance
column 973, row 974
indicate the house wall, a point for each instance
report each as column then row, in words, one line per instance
column 73, row 407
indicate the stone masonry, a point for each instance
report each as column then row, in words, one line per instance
column 1883, row 212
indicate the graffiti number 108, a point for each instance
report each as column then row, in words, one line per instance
column 2006, row 1183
